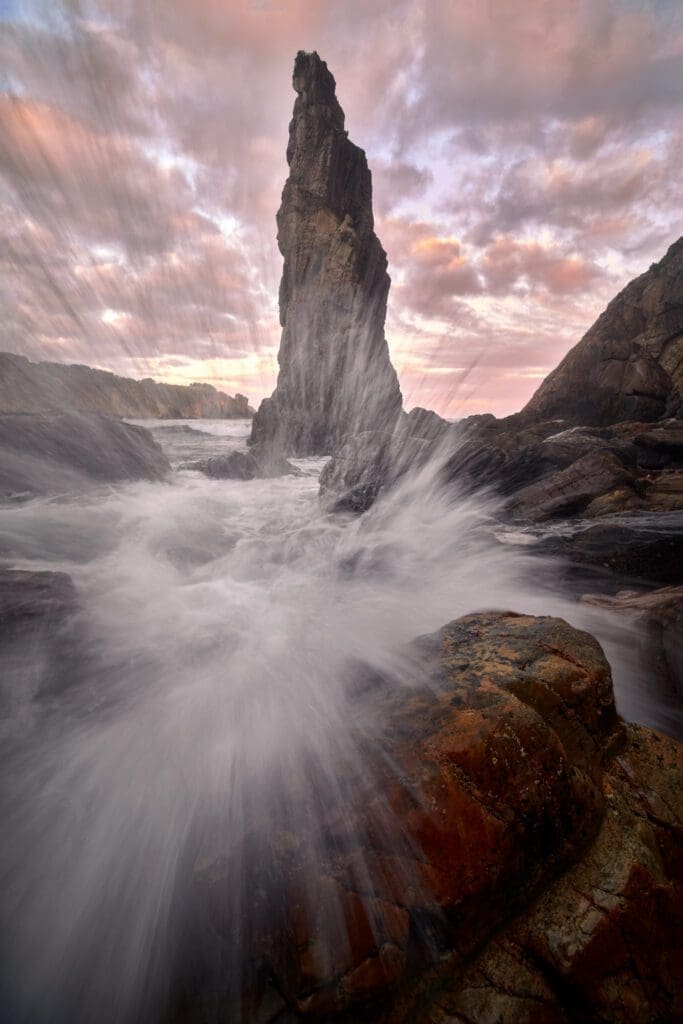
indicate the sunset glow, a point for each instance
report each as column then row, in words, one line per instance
column 142, row 151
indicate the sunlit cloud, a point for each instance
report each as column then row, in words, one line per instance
column 518, row 181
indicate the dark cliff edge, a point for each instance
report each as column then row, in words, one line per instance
column 27, row 387
column 335, row 373
column 600, row 443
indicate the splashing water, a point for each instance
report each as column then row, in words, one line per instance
column 222, row 626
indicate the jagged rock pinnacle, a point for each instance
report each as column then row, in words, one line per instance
column 335, row 376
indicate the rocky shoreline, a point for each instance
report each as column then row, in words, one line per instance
column 501, row 846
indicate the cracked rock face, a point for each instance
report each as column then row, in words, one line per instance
column 629, row 366
column 506, row 852
column 335, row 373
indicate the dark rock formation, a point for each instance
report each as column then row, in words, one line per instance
column 661, row 611
column 511, row 776
column 573, row 490
column 629, row 366
column 259, row 463
column 51, row 453
column 644, row 547
column 36, row 609
column 335, row 374
column 49, row 387
column 602, row 435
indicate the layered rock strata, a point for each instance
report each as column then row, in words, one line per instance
column 335, row 375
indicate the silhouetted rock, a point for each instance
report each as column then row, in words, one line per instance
column 50, row 387
column 335, row 375
column 629, row 366
column 55, row 452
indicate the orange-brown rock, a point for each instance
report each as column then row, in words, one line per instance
column 503, row 778
column 605, row 941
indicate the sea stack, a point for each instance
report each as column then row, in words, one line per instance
column 335, row 374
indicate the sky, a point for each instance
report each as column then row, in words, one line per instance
column 526, row 159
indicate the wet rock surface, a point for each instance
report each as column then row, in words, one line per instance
column 256, row 464
column 36, row 610
column 603, row 943
column 642, row 546
column 512, row 779
column 55, row 452
column 661, row 611
column 335, row 373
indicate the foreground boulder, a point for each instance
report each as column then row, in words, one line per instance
column 602, row 943
column 55, row 452
column 506, row 769
column 335, row 373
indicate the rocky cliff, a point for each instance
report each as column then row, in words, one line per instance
column 629, row 366
column 50, row 387
column 335, row 375
column 603, row 435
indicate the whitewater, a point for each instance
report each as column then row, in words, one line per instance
column 223, row 631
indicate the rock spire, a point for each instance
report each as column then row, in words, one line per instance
column 335, row 374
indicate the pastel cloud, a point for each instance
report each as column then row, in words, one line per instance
column 519, row 180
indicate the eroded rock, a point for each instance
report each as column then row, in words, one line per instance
column 335, row 376
column 506, row 774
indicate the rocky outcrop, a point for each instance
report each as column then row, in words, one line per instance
column 629, row 366
column 53, row 453
column 602, row 435
column 661, row 611
column 49, row 387
column 503, row 778
column 335, row 375
column 258, row 464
